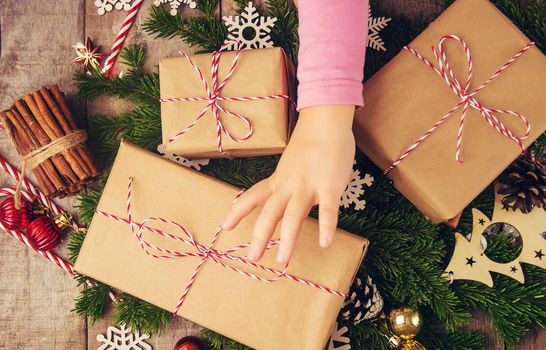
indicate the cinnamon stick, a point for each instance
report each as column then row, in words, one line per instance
column 23, row 148
column 40, row 119
column 21, row 129
column 58, row 102
column 55, row 132
column 35, row 127
column 66, row 126
column 43, row 181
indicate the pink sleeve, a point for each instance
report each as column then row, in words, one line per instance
column 333, row 38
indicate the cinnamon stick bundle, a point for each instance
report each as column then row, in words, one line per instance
column 45, row 134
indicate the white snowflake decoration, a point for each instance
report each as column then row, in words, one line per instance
column 196, row 164
column 355, row 190
column 104, row 6
column 375, row 25
column 250, row 29
column 123, row 339
column 175, row 4
column 338, row 336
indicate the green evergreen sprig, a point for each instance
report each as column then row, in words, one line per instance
column 141, row 315
column 92, row 301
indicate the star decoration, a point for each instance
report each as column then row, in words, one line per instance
column 482, row 222
column 470, row 261
column 539, row 254
column 513, row 269
column 88, row 55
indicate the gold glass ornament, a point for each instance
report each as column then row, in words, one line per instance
column 405, row 322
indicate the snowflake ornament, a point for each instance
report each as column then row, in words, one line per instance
column 355, row 190
column 175, row 4
column 196, row 164
column 375, row 25
column 250, row 29
column 338, row 337
column 123, row 339
column 104, row 6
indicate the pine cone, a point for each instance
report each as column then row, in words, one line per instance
column 363, row 303
column 523, row 184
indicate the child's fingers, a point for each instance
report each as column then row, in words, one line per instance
column 254, row 197
column 296, row 211
column 328, row 214
column 266, row 224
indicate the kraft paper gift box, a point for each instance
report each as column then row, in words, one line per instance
column 267, row 316
column 258, row 73
column 406, row 98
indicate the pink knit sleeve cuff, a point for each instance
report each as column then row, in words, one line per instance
column 330, row 91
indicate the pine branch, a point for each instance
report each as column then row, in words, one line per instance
column 219, row 342
column 92, row 301
column 75, row 244
column 512, row 307
column 87, row 203
column 240, row 5
column 161, row 24
column 367, row 336
column 141, row 315
column 206, row 32
column 285, row 31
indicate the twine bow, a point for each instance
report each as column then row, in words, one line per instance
column 467, row 98
column 205, row 252
column 213, row 97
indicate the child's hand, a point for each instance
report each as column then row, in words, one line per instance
column 314, row 169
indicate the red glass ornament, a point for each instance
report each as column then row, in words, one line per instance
column 191, row 343
column 13, row 218
column 42, row 233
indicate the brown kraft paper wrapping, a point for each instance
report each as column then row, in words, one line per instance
column 262, row 72
column 406, row 98
column 267, row 316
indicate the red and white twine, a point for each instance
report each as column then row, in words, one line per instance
column 122, row 35
column 213, row 97
column 205, row 252
column 467, row 98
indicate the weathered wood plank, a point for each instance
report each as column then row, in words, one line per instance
column 35, row 296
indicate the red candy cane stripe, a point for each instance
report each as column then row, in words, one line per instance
column 202, row 251
column 213, row 97
column 467, row 98
column 122, row 35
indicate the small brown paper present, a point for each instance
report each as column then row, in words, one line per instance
column 406, row 98
column 258, row 73
column 268, row 316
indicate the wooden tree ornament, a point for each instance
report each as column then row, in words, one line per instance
column 469, row 261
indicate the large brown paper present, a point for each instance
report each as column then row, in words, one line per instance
column 267, row 316
column 406, row 98
column 263, row 72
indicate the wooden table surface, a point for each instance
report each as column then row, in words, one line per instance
column 36, row 39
